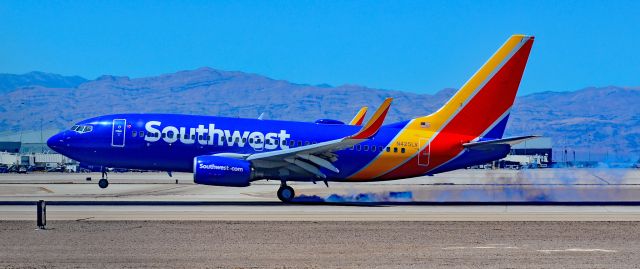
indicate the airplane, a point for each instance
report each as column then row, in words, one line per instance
column 467, row 130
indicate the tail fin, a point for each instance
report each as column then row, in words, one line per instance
column 481, row 107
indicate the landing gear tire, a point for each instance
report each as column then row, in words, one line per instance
column 286, row 194
column 103, row 183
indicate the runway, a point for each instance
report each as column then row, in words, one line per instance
column 466, row 219
column 466, row 195
column 266, row 212
column 303, row 244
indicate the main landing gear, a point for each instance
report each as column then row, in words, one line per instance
column 285, row 193
column 103, row 182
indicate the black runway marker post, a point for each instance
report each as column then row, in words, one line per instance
column 41, row 214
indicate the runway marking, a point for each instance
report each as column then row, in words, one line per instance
column 83, row 219
column 548, row 251
column 600, row 178
column 489, row 246
column 46, row 190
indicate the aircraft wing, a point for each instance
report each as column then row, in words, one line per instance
column 310, row 157
column 504, row 141
column 359, row 118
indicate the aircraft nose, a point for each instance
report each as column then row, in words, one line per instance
column 55, row 142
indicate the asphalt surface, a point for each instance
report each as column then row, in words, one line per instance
column 257, row 211
column 546, row 218
column 246, row 244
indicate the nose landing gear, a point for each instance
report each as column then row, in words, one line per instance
column 103, row 182
column 286, row 193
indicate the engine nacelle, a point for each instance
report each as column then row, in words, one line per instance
column 221, row 171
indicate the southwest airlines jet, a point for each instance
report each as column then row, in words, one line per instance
column 221, row 151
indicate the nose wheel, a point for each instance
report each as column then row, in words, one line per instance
column 103, row 182
column 286, row 193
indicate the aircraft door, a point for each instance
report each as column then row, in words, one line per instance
column 425, row 154
column 117, row 132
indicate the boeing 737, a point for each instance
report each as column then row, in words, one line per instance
column 467, row 130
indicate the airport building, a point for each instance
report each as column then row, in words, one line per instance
column 28, row 152
column 534, row 153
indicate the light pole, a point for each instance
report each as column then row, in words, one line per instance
column 42, row 136
column 41, row 140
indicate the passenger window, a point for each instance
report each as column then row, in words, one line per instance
column 237, row 139
column 134, row 134
column 306, row 143
column 373, row 148
column 402, row 150
column 380, row 148
column 244, row 140
column 229, row 139
column 268, row 141
column 388, row 149
column 358, row 147
column 89, row 128
column 193, row 137
column 395, row 150
column 365, row 147
column 299, row 143
column 251, row 140
column 141, row 133
column 199, row 137
column 292, row 143
column 163, row 135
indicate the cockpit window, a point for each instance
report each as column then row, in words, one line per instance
column 82, row 128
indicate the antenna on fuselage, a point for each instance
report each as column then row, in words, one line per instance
column 261, row 115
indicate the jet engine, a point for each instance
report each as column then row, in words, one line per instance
column 221, row 171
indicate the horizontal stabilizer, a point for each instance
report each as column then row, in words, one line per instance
column 504, row 141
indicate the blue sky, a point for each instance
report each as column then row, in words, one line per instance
column 420, row 46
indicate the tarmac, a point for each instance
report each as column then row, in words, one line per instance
column 306, row 244
column 465, row 195
column 547, row 218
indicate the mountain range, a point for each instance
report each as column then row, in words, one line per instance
column 602, row 122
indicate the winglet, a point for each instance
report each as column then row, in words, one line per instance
column 359, row 118
column 375, row 122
